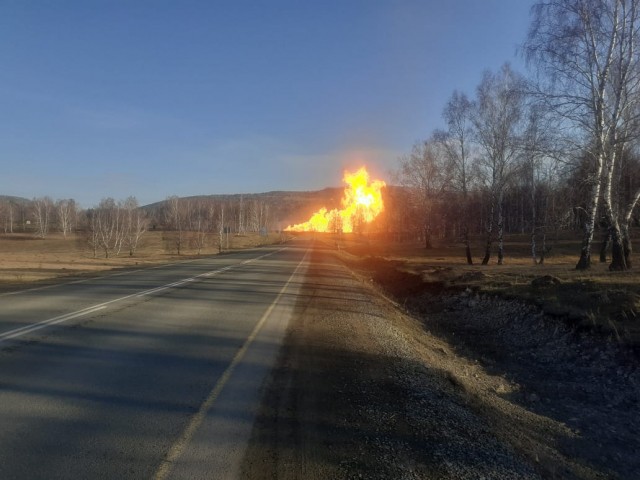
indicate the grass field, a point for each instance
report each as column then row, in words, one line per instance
column 25, row 259
column 596, row 299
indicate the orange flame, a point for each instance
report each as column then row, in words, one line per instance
column 361, row 203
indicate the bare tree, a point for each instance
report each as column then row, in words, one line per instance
column 457, row 144
column 42, row 211
column 135, row 224
column 259, row 215
column 7, row 210
column 587, row 53
column 66, row 211
column 241, row 216
column 201, row 223
column 628, row 186
column 539, row 160
column 92, row 231
column 497, row 121
column 425, row 173
column 174, row 217
column 221, row 227
column 107, row 222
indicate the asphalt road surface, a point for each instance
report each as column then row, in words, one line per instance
column 154, row 373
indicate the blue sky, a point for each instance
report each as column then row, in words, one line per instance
column 156, row 98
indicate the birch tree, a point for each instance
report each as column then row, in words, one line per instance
column 7, row 209
column 497, row 122
column 539, row 158
column 107, row 227
column 221, row 227
column 135, row 224
column 92, row 231
column 457, row 144
column 587, row 54
column 201, row 223
column 66, row 211
column 241, row 216
column 42, row 212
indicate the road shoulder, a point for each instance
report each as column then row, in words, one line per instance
column 353, row 397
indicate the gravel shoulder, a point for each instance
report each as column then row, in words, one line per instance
column 362, row 390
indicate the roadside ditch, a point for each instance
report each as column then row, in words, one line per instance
column 565, row 396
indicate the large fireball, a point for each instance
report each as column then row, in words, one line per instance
column 361, row 203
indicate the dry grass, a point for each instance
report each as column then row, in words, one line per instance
column 597, row 299
column 25, row 259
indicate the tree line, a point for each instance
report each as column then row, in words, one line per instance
column 113, row 227
column 208, row 218
column 552, row 150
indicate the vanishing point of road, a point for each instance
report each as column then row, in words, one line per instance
column 151, row 373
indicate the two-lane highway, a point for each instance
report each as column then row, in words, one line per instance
column 154, row 373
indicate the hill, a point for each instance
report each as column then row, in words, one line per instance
column 286, row 207
column 12, row 199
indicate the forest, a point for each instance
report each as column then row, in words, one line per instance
column 554, row 150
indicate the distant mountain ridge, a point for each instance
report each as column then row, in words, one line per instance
column 12, row 199
column 287, row 207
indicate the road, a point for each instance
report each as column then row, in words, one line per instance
column 154, row 373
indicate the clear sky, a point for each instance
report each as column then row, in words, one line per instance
column 155, row 98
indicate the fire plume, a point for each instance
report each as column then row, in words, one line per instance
column 361, row 204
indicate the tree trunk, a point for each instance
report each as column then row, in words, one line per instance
column 534, row 218
column 487, row 251
column 626, row 245
column 465, row 225
column 626, row 227
column 500, row 229
column 606, row 243
column 584, row 262
column 427, row 238
column 543, row 249
column 467, row 245
column 617, row 249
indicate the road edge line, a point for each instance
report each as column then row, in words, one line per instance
column 179, row 446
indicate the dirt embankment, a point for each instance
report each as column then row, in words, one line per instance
column 566, row 396
column 464, row 386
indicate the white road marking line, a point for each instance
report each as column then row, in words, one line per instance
column 207, row 274
column 84, row 280
column 179, row 446
column 117, row 274
column 18, row 332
